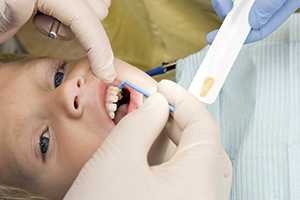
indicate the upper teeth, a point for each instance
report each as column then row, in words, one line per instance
column 113, row 95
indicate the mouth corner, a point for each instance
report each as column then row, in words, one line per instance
column 122, row 105
column 117, row 102
column 118, row 105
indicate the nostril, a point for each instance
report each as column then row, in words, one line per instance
column 80, row 82
column 76, row 103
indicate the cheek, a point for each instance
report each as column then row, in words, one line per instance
column 72, row 150
column 80, row 142
column 77, row 145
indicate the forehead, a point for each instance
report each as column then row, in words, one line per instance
column 16, row 78
column 10, row 69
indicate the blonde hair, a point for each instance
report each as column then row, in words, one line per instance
column 7, row 58
column 13, row 193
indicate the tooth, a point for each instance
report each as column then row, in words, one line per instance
column 112, row 115
column 113, row 90
column 112, row 107
column 113, row 95
column 119, row 95
column 112, row 98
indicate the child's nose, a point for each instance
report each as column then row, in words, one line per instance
column 69, row 94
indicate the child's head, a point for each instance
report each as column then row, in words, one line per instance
column 54, row 115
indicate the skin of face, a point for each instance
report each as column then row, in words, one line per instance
column 73, row 114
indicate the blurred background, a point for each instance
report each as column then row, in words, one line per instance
column 142, row 33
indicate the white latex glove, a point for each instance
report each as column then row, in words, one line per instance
column 78, row 17
column 13, row 15
column 199, row 169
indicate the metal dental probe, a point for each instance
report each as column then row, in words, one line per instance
column 140, row 90
column 54, row 29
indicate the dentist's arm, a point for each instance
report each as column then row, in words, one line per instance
column 199, row 169
column 264, row 18
column 79, row 18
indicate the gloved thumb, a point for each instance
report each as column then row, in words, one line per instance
column 140, row 128
column 122, row 153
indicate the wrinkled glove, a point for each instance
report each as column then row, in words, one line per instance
column 80, row 18
column 199, row 168
column 264, row 18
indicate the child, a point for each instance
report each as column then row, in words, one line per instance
column 57, row 114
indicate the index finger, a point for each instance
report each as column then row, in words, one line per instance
column 97, row 46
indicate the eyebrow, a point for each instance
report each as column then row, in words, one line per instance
column 43, row 68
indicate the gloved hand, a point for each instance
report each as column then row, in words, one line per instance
column 199, row 169
column 264, row 18
column 78, row 17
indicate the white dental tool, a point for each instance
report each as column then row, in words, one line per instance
column 221, row 55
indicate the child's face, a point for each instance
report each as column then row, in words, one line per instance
column 49, row 130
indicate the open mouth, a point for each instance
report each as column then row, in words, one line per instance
column 117, row 103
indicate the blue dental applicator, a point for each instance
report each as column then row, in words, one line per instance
column 140, row 90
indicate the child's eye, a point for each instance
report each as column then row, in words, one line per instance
column 58, row 77
column 44, row 143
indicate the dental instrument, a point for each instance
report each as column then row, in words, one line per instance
column 221, row 55
column 165, row 67
column 54, row 29
column 140, row 90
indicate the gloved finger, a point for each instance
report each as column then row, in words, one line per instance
column 100, row 7
column 13, row 14
column 258, row 34
column 211, row 36
column 227, row 168
column 173, row 130
column 88, row 30
column 225, row 178
column 107, row 2
column 43, row 23
column 222, row 7
column 140, row 128
column 199, row 151
column 278, row 18
column 262, row 11
column 191, row 116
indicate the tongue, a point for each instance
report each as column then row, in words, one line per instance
column 121, row 112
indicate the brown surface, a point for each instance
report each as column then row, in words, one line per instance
column 37, row 44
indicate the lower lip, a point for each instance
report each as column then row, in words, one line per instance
column 136, row 100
